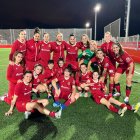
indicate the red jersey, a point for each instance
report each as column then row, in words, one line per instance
column 82, row 46
column 58, row 50
column 106, row 64
column 107, row 49
column 82, row 78
column 17, row 46
column 60, row 70
column 72, row 52
column 66, row 84
column 49, row 74
column 44, row 54
column 124, row 59
column 14, row 73
column 37, row 80
column 23, row 92
column 96, row 88
column 33, row 49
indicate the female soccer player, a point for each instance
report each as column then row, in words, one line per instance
column 81, row 78
column 45, row 51
column 65, row 89
column 38, row 81
column 107, row 47
column 126, row 64
column 14, row 75
column 60, row 67
column 98, row 90
column 58, row 48
column 18, row 45
column 22, row 99
column 106, row 68
column 72, row 53
column 33, row 49
column 84, row 43
column 88, row 54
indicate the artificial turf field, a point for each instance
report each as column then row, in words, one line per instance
column 83, row 120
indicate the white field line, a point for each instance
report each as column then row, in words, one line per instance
column 137, row 72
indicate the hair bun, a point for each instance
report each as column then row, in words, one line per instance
column 37, row 30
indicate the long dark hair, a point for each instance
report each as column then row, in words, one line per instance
column 121, row 51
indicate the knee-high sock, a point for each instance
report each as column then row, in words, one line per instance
column 117, row 86
column 128, row 91
column 113, row 109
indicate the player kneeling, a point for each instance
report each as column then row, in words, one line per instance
column 97, row 89
column 23, row 102
column 65, row 89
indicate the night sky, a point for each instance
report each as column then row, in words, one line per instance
column 67, row 14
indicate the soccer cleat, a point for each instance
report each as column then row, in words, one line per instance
column 126, row 100
column 62, row 106
column 122, row 111
column 136, row 108
column 56, row 104
column 116, row 94
column 27, row 114
column 58, row 114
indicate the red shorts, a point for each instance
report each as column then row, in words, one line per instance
column 64, row 95
column 21, row 106
column 111, row 72
column 98, row 97
column 123, row 68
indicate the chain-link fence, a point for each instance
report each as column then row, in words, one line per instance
column 114, row 28
column 132, row 42
column 8, row 36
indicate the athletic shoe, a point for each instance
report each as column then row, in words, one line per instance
column 136, row 108
column 62, row 106
column 122, row 111
column 126, row 100
column 58, row 114
column 27, row 114
column 2, row 97
column 56, row 104
column 116, row 94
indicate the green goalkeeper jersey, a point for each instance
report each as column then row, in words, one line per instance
column 87, row 55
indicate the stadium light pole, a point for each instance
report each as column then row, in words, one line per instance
column 87, row 26
column 96, row 10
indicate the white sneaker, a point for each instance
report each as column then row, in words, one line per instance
column 126, row 99
column 58, row 114
column 122, row 111
column 2, row 97
column 116, row 94
column 27, row 114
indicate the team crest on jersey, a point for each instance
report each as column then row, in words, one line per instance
column 38, row 80
column 32, row 46
column 106, row 65
column 127, row 59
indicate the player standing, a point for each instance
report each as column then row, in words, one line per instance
column 126, row 64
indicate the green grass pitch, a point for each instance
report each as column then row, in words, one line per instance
column 83, row 120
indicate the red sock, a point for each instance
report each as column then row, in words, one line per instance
column 111, row 86
column 52, row 114
column 128, row 91
column 112, row 108
column 129, row 107
column 122, row 105
column 68, row 102
column 117, row 86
